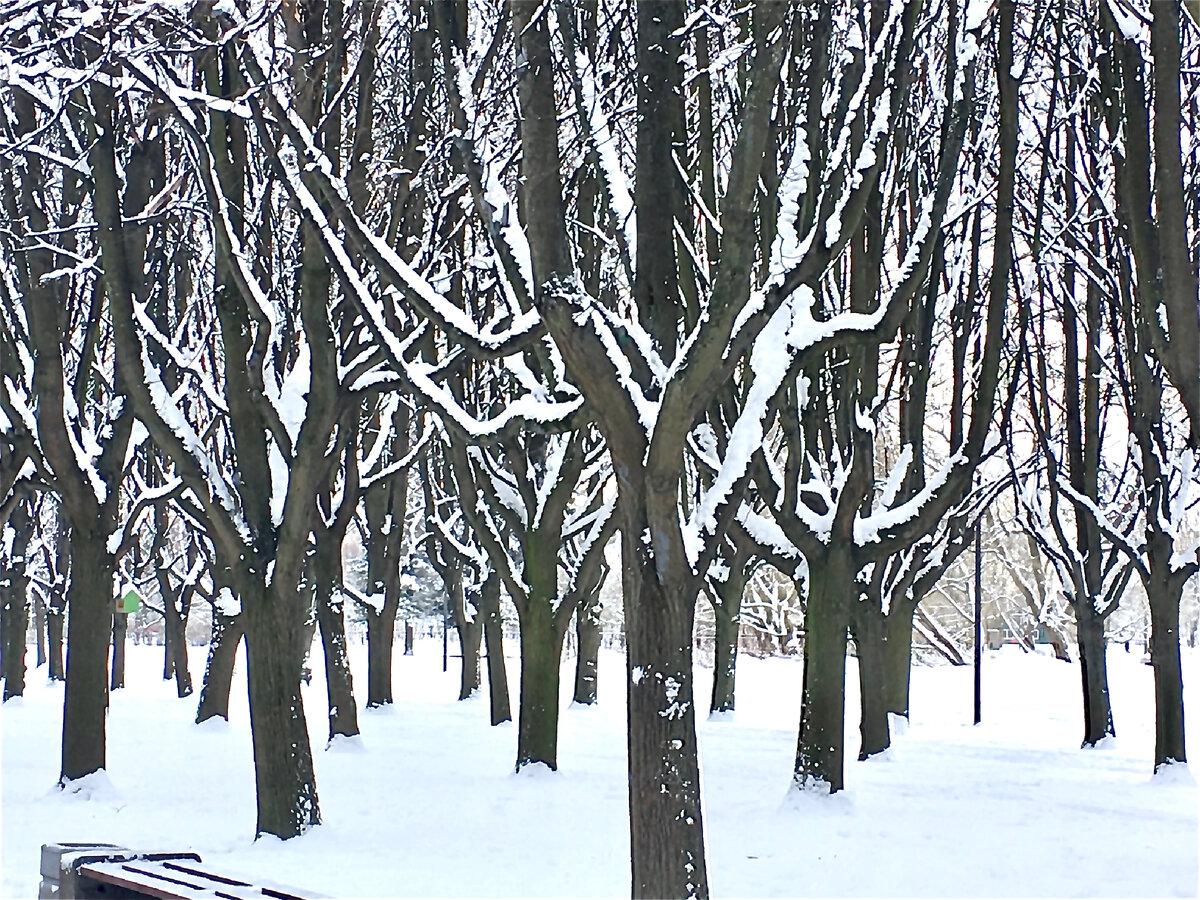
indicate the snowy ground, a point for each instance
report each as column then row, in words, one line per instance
column 427, row 805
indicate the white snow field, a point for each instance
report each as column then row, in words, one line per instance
column 426, row 803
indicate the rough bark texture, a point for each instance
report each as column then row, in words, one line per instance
column 88, row 631
column 283, row 767
column 1164, row 596
column 54, row 648
column 820, row 748
column 664, row 799
column 218, row 671
column 541, row 652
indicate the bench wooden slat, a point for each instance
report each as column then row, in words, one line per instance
column 155, row 879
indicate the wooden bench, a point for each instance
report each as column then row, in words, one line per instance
column 108, row 871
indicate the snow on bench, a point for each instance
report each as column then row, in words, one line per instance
column 109, row 871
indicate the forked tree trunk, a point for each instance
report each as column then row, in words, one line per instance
column 339, row 685
column 227, row 632
column 1097, row 711
column 283, row 766
column 89, row 629
column 821, row 746
column 588, row 637
column 175, row 655
column 119, row 629
column 493, row 635
column 897, row 656
column 868, row 626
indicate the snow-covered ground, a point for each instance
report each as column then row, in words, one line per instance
column 427, row 803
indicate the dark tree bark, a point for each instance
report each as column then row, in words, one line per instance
column 343, row 711
column 227, row 633
column 14, row 595
column 39, row 628
column 117, row 672
column 54, row 633
column 493, row 634
column 587, row 638
column 726, row 599
column 869, row 629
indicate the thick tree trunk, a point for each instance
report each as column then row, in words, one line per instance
column 666, row 827
column 1097, row 712
column 381, row 630
column 897, row 656
column 227, row 632
column 283, row 766
column 588, row 637
column 339, row 685
column 85, row 704
column 493, row 634
column 870, row 635
column 537, row 718
column 119, row 629
column 820, row 749
column 168, row 658
column 1169, row 743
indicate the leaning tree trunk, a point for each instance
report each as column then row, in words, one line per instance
column 821, row 746
column 89, row 628
column 493, row 635
column 119, row 629
column 1097, row 711
column 227, row 632
column 869, row 628
column 339, row 685
column 588, row 637
column 285, row 783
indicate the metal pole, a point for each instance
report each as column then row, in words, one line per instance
column 978, row 622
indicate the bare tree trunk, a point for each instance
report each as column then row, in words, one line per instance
column 119, row 630
column 381, row 629
column 89, row 629
column 493, row 633
column 868, row 626
column 897, row 656
column 820, row 748
column 339, row 685
column 54, row 631
column 227, row 633
column 587, row 633
column 39, row 627
column 1097, row 712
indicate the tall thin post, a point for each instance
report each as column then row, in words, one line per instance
column 978, row 624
